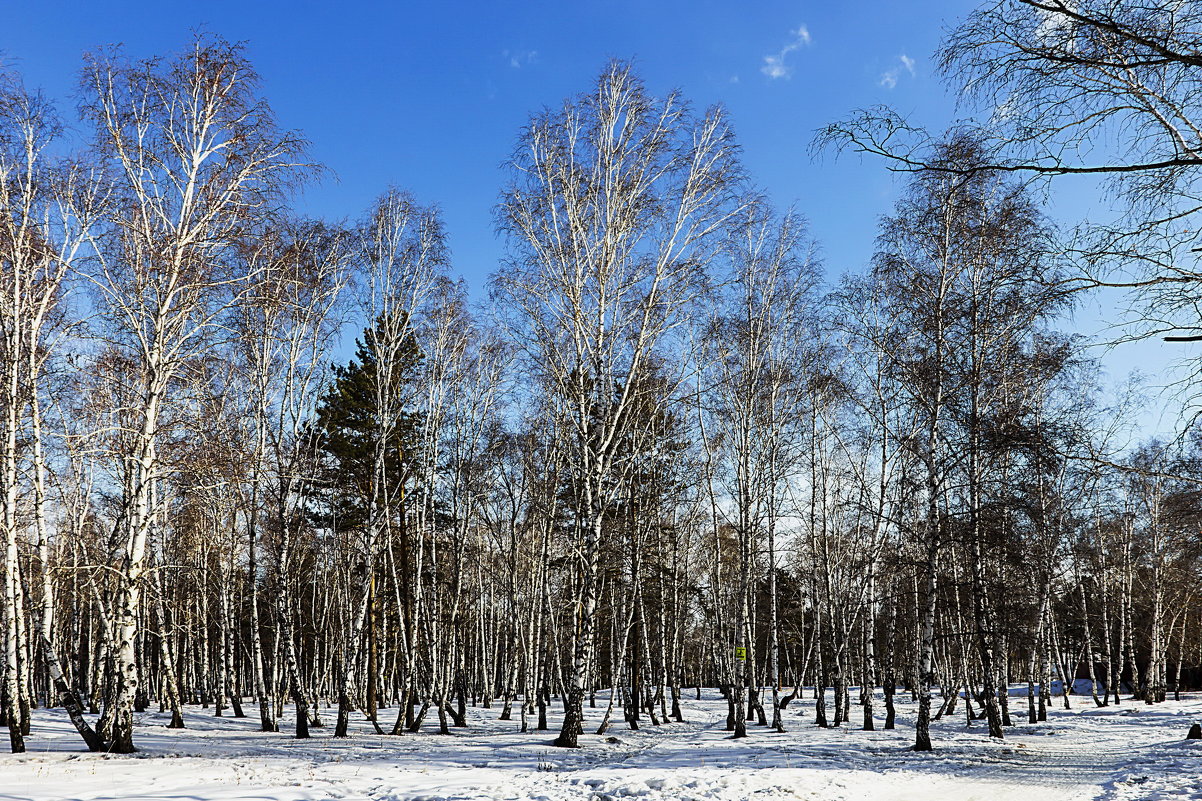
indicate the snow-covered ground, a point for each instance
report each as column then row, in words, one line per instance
column 1129, row 752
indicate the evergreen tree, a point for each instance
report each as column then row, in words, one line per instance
column 346, row 428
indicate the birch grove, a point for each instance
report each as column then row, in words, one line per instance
column 250, row 458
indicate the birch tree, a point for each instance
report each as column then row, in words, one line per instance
column 761, row 346
column 286, row 324
column 1104, row 90
column 196, row 158
column 611, row 203
column 404, row 259
column 46, row 205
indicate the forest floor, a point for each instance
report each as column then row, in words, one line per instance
column 1131, row 751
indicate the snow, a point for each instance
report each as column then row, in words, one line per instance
column 1132, row 751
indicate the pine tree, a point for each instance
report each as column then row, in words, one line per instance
column 345, row 431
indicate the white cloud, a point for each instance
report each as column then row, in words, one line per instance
column 1057, row 28
column 520, row 58
column 774, row 65
column 890, row 77
column 1055, row 23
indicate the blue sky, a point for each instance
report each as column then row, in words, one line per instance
column 431, row 96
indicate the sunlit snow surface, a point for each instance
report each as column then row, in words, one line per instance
column 1128, row 752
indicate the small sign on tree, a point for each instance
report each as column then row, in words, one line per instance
column 741, row 654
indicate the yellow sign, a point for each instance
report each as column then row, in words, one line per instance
column 741, row 654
